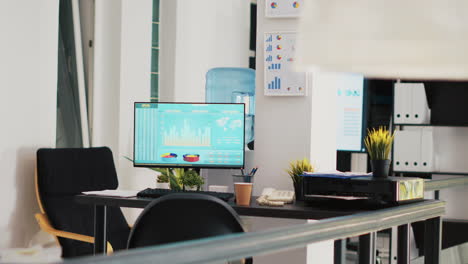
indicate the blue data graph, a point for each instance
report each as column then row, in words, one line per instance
column 275, row 66
column 270, row 38
column 275, row 84
column 269, row 58
column 269, row 48
column 186, row 134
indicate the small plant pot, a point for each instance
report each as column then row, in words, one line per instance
column 380, row 168
column 298, row 192
column 162, row 185
column 190, row 188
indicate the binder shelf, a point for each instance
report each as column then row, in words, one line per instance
column 433, row 173
column 429, row 125
column 418, row 118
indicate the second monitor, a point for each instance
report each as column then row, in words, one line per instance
column 203, row 135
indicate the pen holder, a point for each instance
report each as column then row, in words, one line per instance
column 242, row 178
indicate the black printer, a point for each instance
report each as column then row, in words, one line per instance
column 351, row 185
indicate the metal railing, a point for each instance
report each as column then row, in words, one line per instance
column 238, row 246
column 434, row 185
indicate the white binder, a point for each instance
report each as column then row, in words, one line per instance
column 410, row 106
column 427, row 150
column 402, row 104
column 420, row 112
column 414, row 150
column 407, row 150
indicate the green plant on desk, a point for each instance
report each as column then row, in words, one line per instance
column 180, row 178
column 379, row 144
column 191, row 179
column 168, row 175
column 295, row 170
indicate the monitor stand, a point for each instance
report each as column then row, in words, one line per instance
column 225, row 176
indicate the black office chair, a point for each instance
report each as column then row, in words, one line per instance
column 179, row 217
column 64, row 173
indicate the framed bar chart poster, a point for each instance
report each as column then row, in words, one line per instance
column 280, row 78
column 283, row 8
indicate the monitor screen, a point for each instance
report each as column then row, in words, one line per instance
column 203, row 135
column 351, row 114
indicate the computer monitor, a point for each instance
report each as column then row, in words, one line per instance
column 351, row 114
column 200, row 135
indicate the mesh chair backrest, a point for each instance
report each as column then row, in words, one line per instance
column 181, row 217
column 74, row 170
column 63, row 173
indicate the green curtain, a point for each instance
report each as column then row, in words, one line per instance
column 155, row 53
column 68, row 107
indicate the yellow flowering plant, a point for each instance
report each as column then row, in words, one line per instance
column 297, row 168
column 379, row 143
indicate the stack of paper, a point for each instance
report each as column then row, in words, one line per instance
column 337, row 174
column 114, row 193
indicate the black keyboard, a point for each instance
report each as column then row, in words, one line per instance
column 156, row 193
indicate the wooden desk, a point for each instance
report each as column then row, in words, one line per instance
column 298, row 210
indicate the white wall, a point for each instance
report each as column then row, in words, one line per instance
column 135, row 75
column 167, row 49
column 122, row 71
column 208, row 34
column 106, row 83
column 290, row 128
column 135, row 81
column 28, row 105
column 195, row 37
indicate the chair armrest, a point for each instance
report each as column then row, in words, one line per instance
column 45, row 225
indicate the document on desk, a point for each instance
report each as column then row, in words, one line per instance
column 113, row 193
column 337, row 174
column 336, row 197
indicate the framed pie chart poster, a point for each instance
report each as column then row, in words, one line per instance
column 283, row 8
column 280, row 79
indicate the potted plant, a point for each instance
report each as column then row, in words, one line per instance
column 297, row 168
column 180, row 178
column 162, row 181
column 191, row 180
column 177, row 178
column 379, row 143
column 167, row 176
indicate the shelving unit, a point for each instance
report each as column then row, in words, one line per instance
column 401, row 127
column 429, row 125
column 433, row 172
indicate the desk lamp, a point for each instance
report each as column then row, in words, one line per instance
column 397, row 39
